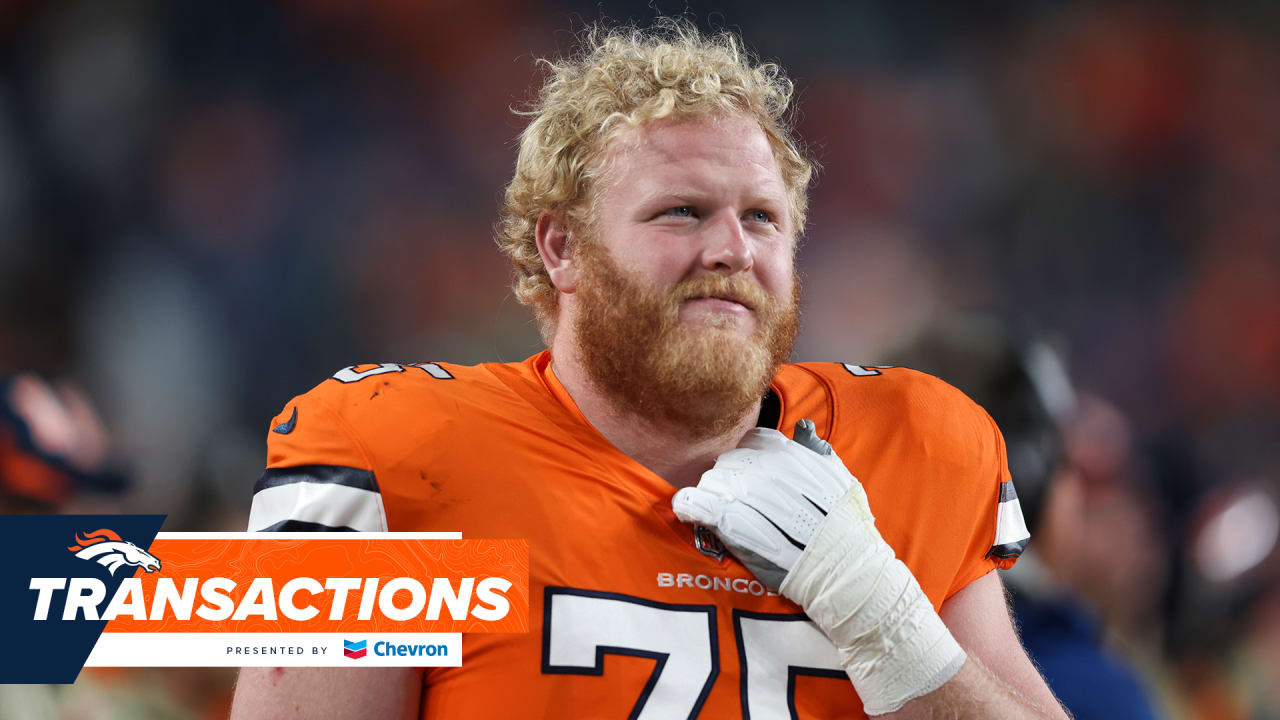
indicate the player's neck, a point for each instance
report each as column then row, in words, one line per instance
column 667, row 450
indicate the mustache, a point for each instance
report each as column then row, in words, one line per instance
column 735, row 288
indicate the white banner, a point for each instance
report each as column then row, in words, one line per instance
column 276, row 650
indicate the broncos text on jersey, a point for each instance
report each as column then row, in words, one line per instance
column 631, row 614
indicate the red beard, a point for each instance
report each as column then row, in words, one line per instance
column 701, row 379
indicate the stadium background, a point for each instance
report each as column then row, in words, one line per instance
column 208, row 208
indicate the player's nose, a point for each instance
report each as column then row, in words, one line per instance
column 726, row 247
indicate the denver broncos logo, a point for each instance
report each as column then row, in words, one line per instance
column 107, row 548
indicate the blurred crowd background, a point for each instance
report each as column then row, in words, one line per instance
column 207, row 208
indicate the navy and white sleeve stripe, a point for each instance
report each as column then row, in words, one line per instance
column 1011, row 528
column 317, row 498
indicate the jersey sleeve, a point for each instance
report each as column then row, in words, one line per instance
column 318, row 476
column 975, row 506
column 1000, row 531
column 934, row 467
column 1011, row 534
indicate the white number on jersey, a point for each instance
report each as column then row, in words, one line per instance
column 350, row 374
column 580, row 627
column 865, row 370
column 772, row 650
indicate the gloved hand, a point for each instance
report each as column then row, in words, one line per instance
column 794, row 515
column 767, row 498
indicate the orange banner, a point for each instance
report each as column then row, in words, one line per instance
column 326, row 584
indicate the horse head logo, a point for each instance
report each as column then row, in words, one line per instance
column 107, row 548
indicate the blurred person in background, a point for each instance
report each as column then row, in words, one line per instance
column 1221, row 611
column 53, row 447
column 56, row 457
column 1093, row 554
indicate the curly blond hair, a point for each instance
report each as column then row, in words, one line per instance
column 621, row 78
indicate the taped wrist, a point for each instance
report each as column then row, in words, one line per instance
column 892, row 643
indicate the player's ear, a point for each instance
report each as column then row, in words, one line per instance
column 552, row 235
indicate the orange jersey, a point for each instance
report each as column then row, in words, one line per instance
column 633, row 613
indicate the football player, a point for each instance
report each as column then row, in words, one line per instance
column 713, row 533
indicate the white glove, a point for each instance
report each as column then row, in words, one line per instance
column 795, row 516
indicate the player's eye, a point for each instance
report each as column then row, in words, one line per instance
column 760, row 216
column 682, row 211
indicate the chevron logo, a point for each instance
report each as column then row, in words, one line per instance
column 354, row 650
